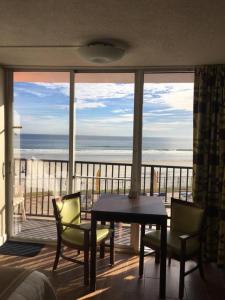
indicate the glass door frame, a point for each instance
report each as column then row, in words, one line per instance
column 137, row 128
column 137, row 139
column 9, row 145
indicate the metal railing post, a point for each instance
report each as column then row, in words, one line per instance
column 152, row 181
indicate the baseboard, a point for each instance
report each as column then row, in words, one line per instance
column 3, row 239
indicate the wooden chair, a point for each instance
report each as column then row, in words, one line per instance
column 184, row 239
column 74, row 234
column 18, row 200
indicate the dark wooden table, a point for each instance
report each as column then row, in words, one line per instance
column 119, row 208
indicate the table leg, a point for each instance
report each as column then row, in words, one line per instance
column 93, row 253
column 112, row 249
column 102, row 245
column 142, row 251
column 163, row 253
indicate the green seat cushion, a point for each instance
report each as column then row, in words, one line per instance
column 69, row 210
column 76, row 236
column 152, row 240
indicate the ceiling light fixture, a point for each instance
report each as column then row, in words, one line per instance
column 102, row 52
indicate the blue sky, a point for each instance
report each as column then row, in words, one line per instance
column 104, row 108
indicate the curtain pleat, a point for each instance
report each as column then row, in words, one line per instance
column 209, row 155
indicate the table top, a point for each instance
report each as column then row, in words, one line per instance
column 121, row 204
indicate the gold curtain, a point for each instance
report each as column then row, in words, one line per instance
column 209, row 155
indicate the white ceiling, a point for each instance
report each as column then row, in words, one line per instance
column 159, row 32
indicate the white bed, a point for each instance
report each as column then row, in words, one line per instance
column 20, row 284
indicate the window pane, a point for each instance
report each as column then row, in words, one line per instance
column 40, row 134
column 168, row 135
column 104, row 123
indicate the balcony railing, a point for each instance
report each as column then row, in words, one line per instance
column 41, row 180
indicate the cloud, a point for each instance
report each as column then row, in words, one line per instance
column 167, row 108
column 171, row 129
column 86, row 95
column 92, row 91
column 45, row 124
column 86, row 104
column 103, row 91
column 62, row 106
column 151, row 114
column 176, row 96
column 122, row 110
column 62, row 88
column 180, row 100
column 164, row 110
column 113, row 120
column 93, row 127
column 27, row 90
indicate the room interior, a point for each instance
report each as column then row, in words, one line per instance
column 138, row 37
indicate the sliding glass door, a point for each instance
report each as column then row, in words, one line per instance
column 40, row 135
column 168, row 136
column 74, row 132
column 104, row 139
column 50, row 141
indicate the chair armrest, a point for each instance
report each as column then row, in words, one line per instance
column 88, row 211
column 75, row 226
column 101, row 226
column 185, row 237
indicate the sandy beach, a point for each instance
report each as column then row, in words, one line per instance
column 169, row 158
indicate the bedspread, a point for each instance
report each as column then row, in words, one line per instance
column 20, row 284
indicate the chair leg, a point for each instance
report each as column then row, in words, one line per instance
column 157, row 252
column 142, row 248
column 200, row 265
column 112, row 251
column 181, row 281
column 23, row 211
column 102, row 249
column 157, row 256
column 57, row 255
column 169, row 261
column 86, row 266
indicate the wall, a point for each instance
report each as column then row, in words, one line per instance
column 2, row 161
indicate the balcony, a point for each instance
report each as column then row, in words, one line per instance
column 42, row 180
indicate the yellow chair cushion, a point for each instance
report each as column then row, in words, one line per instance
column 76, row 236
column 69, row 210
column 152, row 240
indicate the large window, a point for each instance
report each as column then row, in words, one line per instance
column 104, row 138
column 168, row 134
column 103, row 108
column 40, row 137
column 75, row 131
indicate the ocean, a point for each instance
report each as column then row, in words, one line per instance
column 155, row 150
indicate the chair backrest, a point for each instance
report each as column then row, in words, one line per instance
column 186, row 217
column 67, row 209
column 18, row 191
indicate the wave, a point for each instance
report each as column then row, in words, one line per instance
column 42, row 151
column 100, row 151
column 161, row 150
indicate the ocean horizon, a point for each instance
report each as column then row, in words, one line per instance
column 165, row 150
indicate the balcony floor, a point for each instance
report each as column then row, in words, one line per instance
column 45, row 230
column 120, row 281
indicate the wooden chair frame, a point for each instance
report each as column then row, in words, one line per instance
column 183, row 257
column 86, row 246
